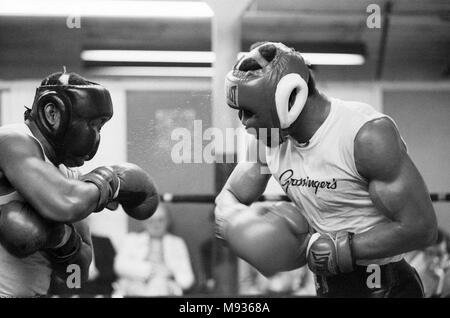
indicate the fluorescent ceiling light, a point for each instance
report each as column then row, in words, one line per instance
column 334, row 58
column 152, row 71
column 330, row 58
column 204, row 57
column 148, row 56
column 99, row 8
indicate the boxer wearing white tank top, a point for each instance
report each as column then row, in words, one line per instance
column 346, row 168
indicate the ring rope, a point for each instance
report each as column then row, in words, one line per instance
column 209, row 198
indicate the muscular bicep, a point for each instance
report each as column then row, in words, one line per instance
column 395, row 185
column 40, row 183
column 405, row 197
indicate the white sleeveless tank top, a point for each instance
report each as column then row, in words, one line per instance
column 321, row 176
column 29, row 276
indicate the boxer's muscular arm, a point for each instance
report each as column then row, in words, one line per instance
column 244, row 186
column 41, row 184
column 397, row 190
column 246, row 183
column 256, row 233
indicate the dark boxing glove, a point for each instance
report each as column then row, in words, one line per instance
column 126, row 184
column 24, row 232
column 107, row 182
column 64, row 249
column 330, row 255
column 137, row 193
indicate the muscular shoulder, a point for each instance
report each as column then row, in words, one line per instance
column 378, row 149
column 17, row 144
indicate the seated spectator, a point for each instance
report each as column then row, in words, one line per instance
column 213, row 262
column 154, row 262
column 432, row 265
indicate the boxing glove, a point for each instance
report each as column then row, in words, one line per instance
column 128, row 185
column 137, row 192
column 24, row 232
column 272, row 239
column 107, row 182
column 330, row 254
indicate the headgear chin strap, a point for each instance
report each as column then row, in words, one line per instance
column 269, row 88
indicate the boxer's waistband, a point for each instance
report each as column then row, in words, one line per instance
column 364, row 278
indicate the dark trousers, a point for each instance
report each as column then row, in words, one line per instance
column 393, row 280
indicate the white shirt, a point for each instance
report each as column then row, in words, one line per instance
column 134, row 267
column 321, row 176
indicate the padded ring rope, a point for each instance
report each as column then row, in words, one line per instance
column 209, row 198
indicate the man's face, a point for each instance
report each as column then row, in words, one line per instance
column 90, row 111
column 259, row 122
column 84, row 137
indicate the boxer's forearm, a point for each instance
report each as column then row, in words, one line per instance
column 246, row 183
column 74, row 202
column 226, row 200
column 410, row 219
column 227, row 206
column 243, row 187
column 42, row 185
column 390, row 239
column 69, row 202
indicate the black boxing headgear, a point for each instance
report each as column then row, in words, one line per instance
column 266, row 79
column 78, row 101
